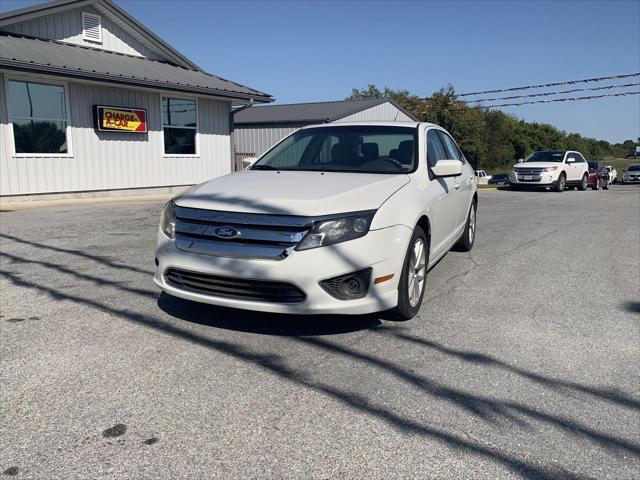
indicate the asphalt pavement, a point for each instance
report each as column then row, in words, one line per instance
column 524, row 361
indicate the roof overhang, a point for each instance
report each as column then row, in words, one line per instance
column 109, row 7
column 24, row 67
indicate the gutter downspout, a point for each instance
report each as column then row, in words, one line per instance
column 231, row 125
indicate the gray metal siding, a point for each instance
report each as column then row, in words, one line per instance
column 383, row 112
column 110, row 160
column 257, row 140
column 66, row 26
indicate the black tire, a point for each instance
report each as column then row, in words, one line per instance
column 597, row 184
column 606, row 186
column 405, row 310
column 560, row 183
column 465, row 243
column 583, row 183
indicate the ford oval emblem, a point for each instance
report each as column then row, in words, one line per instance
column 226, row 232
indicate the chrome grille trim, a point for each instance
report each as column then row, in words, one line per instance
column 529, row 171
column 259, row 236
column 234, row 218
column 232, row 249
column 284, row 237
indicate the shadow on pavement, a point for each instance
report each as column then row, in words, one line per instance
column 264, row 323
column 486, row 408
column 631, row 306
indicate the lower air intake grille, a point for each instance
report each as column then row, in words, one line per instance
column 237, row 288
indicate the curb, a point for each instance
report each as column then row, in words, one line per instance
column 67, row 202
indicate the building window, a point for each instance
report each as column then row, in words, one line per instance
column 179, row 124
column 39, row 117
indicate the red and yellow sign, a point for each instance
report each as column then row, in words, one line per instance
column 110, row 119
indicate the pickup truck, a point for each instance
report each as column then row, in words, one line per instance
column 483, row 177
column 337, row 218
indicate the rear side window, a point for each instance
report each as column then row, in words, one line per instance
column 451, row 149
column 435, row 149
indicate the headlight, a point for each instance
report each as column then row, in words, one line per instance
column 168, row 220
column 550, row 169
column 335, row 230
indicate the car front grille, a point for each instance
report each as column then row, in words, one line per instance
column 530, row 171
column 534, row 173
column 239, row 235
column 236, row 288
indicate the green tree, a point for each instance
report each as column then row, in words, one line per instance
column 490, row 138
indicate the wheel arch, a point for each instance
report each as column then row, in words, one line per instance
column 425, row 224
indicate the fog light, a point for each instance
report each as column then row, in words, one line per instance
column 349, row 286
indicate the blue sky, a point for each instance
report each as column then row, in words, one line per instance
column 313, row 51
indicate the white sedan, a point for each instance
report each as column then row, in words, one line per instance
column 338, row 218
column 613, row 174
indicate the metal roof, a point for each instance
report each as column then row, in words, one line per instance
column 36, row 55
column 304, row 113
column 106, row 6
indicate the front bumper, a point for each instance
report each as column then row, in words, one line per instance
column 382, row 250
column 545, row 179
column 631, row 179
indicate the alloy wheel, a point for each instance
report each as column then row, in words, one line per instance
column 416, row 272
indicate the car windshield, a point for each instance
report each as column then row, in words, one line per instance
column 348, row 148
column 546, row 156
column 634, row 168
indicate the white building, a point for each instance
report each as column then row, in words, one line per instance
column 257, row 129
column 91, row 100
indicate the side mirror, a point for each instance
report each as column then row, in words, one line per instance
column 447, row 168
column 571, row 160
column 247, row 162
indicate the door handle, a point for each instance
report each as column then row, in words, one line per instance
column 456, row 185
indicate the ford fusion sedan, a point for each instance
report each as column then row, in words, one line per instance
column 554, row 169
column 632, row 174
column 333, row 219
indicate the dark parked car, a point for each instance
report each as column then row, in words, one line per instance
column 598, row 175
column 499, row 179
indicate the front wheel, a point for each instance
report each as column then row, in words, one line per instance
column 560, row 183
column 583, row 183
column 469, row 235
column 597, row 184
column 414, row 276
column 606, row 185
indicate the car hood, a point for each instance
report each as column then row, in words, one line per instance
column 293, row 193
column 537, row 164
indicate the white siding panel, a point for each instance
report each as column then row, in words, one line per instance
column 112, row 160
column 7, row 176
column 257, row 140
column 383, row 112
column 66, row 26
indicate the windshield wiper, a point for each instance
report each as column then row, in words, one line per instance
column 262, row 167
